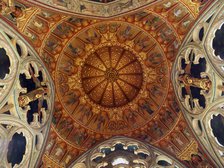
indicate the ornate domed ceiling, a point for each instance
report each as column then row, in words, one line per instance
column 112, row 77
column 112, row 74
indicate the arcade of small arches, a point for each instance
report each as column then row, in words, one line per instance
column 111, row 83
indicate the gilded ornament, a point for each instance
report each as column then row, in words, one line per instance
column 190, row 150
column 202, row 83
column 24, row 100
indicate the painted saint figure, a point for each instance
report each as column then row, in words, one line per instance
column 145, row 106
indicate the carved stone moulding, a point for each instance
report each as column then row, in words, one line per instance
column 93, row 9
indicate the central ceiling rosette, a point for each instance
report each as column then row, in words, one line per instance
column 112, row 76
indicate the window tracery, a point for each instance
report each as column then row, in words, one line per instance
column 200, row 60
column 26, row 101
column 125, row 152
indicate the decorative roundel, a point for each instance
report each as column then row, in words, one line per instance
column 112, row 77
